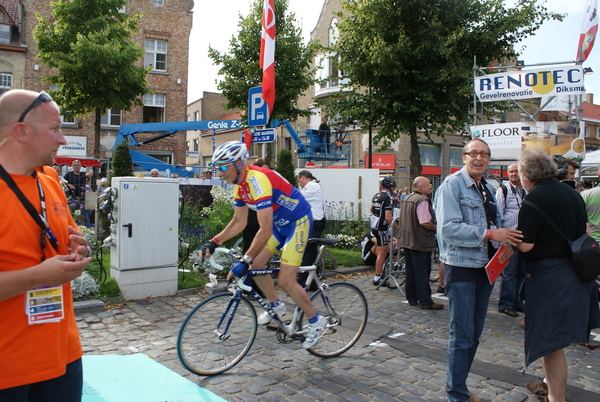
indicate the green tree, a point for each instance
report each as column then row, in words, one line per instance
column 410, row 62
column 285, row 166
column 88, row 46
column 240, row 67
column 122, row 162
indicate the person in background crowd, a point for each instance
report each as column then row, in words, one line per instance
column 417, row 238
column 381, row 219
column 560, row 307
column 313, row 194
column 467, row 221
column 208, row 175
column 509, row 199
column 76, row 183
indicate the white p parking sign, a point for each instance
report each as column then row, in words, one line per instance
column 257, row 108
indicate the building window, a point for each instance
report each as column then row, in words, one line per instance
column 196, row 116
column 287, row 143
column 456, row 157
column 68, row 117
column 430, row 155
column 112, row 117
column 5, row 82
column 158, row 3
column 156, row 54
column 333, row 33
column 195, row 145
column 5, row 33
column 154, row 108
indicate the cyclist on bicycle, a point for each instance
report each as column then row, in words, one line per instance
column 285, row 222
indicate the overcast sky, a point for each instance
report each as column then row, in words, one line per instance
column 215, row 22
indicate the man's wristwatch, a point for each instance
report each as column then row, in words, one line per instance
column 247, row 259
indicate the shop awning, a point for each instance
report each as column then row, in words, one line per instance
column 68, row 160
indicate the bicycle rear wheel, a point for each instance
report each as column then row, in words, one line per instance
column 320, row 268
column 205, row 345
column 345, row 307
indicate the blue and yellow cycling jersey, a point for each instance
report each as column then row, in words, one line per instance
column 262, row 188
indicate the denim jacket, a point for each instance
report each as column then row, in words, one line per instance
column 461, row 221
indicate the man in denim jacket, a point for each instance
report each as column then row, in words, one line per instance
column 467, row 221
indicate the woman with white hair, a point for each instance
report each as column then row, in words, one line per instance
column 559, row 307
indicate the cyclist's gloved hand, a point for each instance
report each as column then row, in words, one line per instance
column 208, row 248
column 240, row 268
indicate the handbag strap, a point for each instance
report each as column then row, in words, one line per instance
column 545, row 215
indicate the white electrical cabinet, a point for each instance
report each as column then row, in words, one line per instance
column 144, row 251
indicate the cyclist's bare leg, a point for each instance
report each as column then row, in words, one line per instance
column 264, row 282
column 382, row 253
column 289, row 284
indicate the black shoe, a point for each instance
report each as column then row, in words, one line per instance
column 519, row 309
column 376, row 282
column 510, row 312
column 441, row 289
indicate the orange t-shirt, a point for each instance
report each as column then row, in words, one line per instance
column 36, row 352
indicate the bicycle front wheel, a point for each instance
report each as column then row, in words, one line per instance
column 345, row 307
column 216, row 334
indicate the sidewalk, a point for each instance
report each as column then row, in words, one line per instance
column 400, row 357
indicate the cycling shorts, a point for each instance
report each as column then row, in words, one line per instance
column 291, row 240
column 382, row 236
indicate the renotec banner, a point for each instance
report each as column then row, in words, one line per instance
column 506, row 140
column 526, row 84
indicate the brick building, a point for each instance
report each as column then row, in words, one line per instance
column 163, row 32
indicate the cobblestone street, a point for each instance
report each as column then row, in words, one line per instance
column 400, row 357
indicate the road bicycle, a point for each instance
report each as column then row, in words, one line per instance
column 220, row 331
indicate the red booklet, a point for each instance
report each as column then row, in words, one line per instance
column 494, row 268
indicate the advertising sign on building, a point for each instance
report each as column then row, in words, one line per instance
column 535, row 83
column 191, row 154
column 383, row 162
column 75, row 146
column 508, row 139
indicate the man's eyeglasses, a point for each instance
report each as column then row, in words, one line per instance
column 473, row 154
column 223, row 168
column 41, row 98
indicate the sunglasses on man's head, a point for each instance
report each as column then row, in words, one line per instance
column 41, row 98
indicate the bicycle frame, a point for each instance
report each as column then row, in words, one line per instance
column 244, row 284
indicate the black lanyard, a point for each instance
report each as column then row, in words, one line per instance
column 40, row 219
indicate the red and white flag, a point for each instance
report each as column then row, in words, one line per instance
column 589, row 30
column 267, row 54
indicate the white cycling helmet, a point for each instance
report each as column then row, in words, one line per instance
column 230, row 152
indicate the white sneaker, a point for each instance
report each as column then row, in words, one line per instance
column 265, row 317
column 315, row 331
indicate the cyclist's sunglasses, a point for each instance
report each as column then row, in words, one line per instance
column 223, row 168
column 41, row 98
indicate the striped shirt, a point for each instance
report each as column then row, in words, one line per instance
column 509, row 207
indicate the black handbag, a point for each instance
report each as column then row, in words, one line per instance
column 585, row 251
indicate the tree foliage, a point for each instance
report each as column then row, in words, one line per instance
column 88, row 45
column 122, row 162
column 410, row 62
column 285, row 166
column 240, row 66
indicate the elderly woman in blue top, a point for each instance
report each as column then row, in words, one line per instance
column 467, row 222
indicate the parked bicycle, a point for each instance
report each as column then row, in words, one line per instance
column 220, row 331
